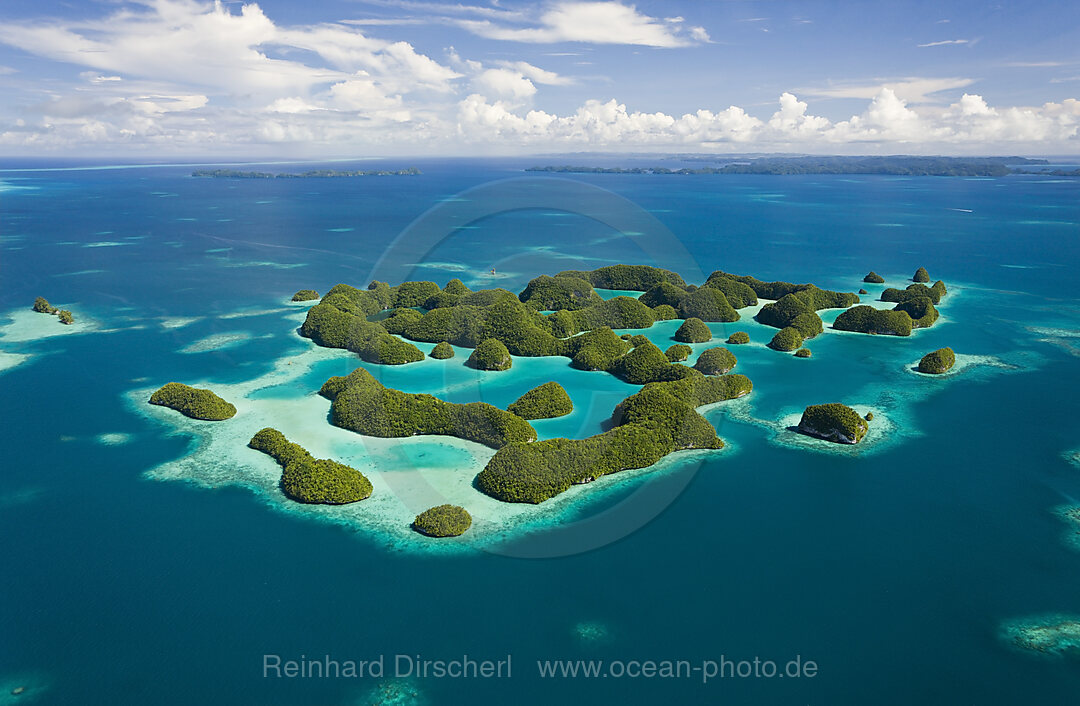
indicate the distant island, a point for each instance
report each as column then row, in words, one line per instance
column 891, row 165
column 315, row 174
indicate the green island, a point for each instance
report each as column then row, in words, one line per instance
column 739, row 338
column 873, row 278
column 305, row 295
column 193, row 402
column 715, row 361
column 693, row 330
column 786, row 340
column 42, row 306
column 443, row 521
column 921, row 275
column 313, row 174
column 833, row 422
column 678, row 352
column 937, row 362
column 803, row 353
column 545, row 401
column 491, row 354
column 442, row 351
column 307, row 479
column 867, row 319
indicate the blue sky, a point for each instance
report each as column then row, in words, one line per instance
column 385, row 77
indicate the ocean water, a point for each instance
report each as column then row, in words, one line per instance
column 892, row 566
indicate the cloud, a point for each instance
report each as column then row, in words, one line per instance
column 590, row 22
column 911, row 89
column 946, row 41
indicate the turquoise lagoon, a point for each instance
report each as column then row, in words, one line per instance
column 151, row 559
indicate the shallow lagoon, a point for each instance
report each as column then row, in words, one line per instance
column 901, row 563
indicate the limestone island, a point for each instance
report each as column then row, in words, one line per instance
column 937, row 362
column 443, row 521
column 873, row 278
column 739, row 338
column 311, row 480
column 715, row 361
column 42, row 306
column 833, row 422
column 678, row 352
column 547, row 401
column 305, row 295
column 193, row 402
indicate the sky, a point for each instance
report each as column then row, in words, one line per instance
column 356, row 78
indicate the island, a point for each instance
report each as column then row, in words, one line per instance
column 42, row 306
column 490, row 354
column 65, row 316
column 693, row 330
column 739, row 338
column 442, row 351
column 311, row 480
column 803, row 353
column 193, row 402
column 715, row 361
column 305, row 295
column 867, row 319
column 873, row 278
column 543, row 402
column 921, row 275
column 313, row 174
column 443, row 521
column 678, row 352
column 1056, row 635
column 786, row 340
column 833, row 422
column 937, row 362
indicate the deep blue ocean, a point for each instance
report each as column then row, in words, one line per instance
column 893, row 568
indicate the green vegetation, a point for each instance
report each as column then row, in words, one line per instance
column 707, row 304
column 561, row 292
column 803, row 353
column 193, row 402
column 869, row 416
column 739, row 294
column 544, row 402
column 693, row 330
column 867, row 319
column 937, row 362
column 42, row 306
column 939, row 289
column 442, row 351
column 874, row 278
column 618, row 312
column 677, row 353
column 663, row 293
column 863, row 291
column 305, row 295
column 637, row 339
column 314, row 174
column 786, row 339
column 65, row 316
column 739, row 338
column 399, row 320
column 715, row 361
column 921, row 275
column 794, row 311
column 921, row 310
column 456, row 286
column 833, row 422
column 656, row 421
column 639, row 278
column 441, row 300
column 340, row 321
column 443, row 521
column 362, row 404
column 490, row 354
column 665, row 312
column 596, row 350
column 646, row 363
column 409, row 294
column 307, row 479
